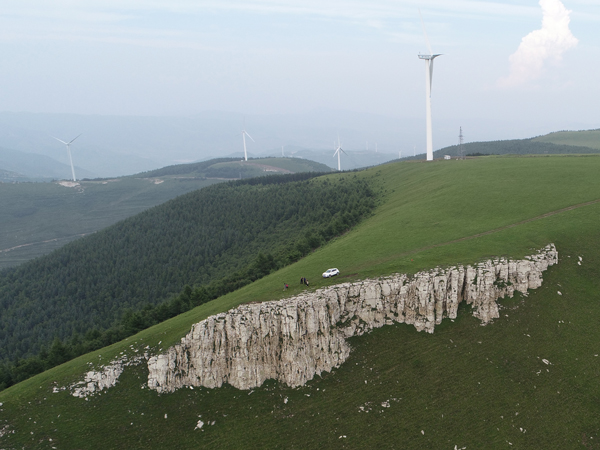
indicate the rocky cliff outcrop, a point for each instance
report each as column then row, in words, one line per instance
column 294, row 339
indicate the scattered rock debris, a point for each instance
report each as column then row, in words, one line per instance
column 106, row 376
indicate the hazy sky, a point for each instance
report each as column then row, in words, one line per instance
column 502, row 60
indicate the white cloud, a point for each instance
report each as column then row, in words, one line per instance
column 546, row 44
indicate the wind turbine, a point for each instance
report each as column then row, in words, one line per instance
column 338, row 152
column 244, row 134
column 68, row 144
column 428, row 82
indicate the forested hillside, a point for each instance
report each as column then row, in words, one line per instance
column 38, row 218
column 197, row 239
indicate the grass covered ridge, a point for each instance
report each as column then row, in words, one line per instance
column 465, row 385
column 584, row 138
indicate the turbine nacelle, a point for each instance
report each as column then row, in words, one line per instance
column 67, row 143
column 429, row 57
column 338, row 150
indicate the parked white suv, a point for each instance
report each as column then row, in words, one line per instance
column 330, row 273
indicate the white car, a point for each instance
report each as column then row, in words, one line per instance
column 330, row 273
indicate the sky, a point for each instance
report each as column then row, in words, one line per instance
column 506, row 65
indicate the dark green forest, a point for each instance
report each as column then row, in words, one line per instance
column 168, row 259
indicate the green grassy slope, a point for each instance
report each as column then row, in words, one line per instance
column 585, row 138
column 465, row 385
column 512, row 147
column 561, row 142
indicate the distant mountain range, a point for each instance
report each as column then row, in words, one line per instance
column 21, row 166
column 122, row 145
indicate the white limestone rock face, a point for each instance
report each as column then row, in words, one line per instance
column 294, row 339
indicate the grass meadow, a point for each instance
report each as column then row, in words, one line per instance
column 465, row 386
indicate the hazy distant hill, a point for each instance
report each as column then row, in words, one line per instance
column 121, row 145
column 103, row 148
column 570, row 142
column 234, row 168
column 6, row 176
column 584, row 138
column 35, row 167
column 350, row 160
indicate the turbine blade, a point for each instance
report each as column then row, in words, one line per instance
column 425, row 33
column 249, row 136
column 60, row 140
column 75, row 137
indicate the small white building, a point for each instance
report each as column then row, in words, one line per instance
column 447, row 157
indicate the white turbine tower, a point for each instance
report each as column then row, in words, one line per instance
column 338, row 152
column 244, row 134
column 428, row 82
column 68, row 144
